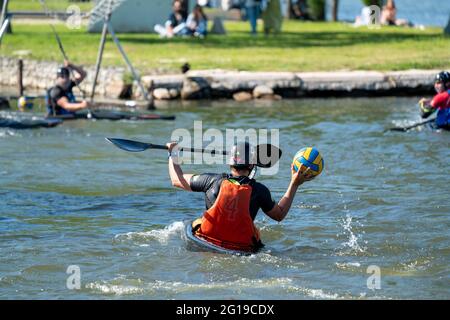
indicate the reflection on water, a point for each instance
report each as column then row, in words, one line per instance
column 70, row 198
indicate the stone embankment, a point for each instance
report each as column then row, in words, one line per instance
column 238, row 85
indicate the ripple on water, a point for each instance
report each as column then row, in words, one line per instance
column 232, row 289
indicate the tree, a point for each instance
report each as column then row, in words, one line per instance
column 334, row 10
column 373, row 2
column 317, row 9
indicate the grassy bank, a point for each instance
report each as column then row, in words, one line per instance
column 301, row 47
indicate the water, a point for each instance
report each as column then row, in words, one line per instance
column 70, row 198
column 428, row 13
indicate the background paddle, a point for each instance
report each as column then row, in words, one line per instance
column 404, row 129
column 268, row 154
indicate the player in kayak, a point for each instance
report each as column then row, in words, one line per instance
column 60, row 98
column 234, row 199
column 440, row 102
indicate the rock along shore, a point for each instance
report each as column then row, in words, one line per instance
column 240, row 85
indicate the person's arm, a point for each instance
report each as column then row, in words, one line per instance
column 281, row 209
column 177, row 177
column 80, row 74
column 71, row 106
column 170, row 24
column 428, row 106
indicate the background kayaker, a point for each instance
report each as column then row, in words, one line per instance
column 243, row 198
column 440, row 102
column 60, row 98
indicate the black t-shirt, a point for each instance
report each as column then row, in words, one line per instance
column 176, row 19
column 56, row 93
column 210, row 183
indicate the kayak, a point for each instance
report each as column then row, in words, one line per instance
column 112, row 115
column 31, row 123
column 195, row 243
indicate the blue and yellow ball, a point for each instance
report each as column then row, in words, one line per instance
column 25, row 103
column 310, row 158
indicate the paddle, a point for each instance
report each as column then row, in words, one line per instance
column 404, row 129
column 268, row 154
column 63, row 52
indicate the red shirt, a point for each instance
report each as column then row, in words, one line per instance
column 441, row 100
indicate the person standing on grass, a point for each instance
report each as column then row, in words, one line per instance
column 253, row 10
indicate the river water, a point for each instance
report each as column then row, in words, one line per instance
column 70, row 198
column 428, row 13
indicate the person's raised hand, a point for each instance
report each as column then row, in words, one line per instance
column 171, row 145
column 299, row 177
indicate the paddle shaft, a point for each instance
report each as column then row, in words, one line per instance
column 412, row 126
column 162, row 147
column 61, row 48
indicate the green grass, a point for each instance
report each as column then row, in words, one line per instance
column 301, row 47
column 53, row 5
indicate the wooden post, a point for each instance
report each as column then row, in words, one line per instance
column 100, row 50
column 20, row 78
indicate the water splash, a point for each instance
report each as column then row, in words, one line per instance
column 160, row 235
column 352, row 242
column 8, row 133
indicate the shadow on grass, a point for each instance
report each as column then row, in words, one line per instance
column 306, row 39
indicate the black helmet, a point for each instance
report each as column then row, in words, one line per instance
column 242, row 155
column 447, row 76
column 443, row 77
column 63, row 72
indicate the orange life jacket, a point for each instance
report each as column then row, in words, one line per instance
column 228, row 222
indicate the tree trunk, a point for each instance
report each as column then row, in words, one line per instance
column 289, row 10
column 334, row 10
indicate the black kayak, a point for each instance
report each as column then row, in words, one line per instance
column 30, row 123
column 195, row 243
column 112, row 115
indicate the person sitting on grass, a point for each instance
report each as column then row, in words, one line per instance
column 197, row 22
column 299, row 10
column 389, row 16
column 440, row 102
column 176, row 25
column 60, row 98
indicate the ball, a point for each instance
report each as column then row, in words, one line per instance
column 24, row 103
column 311, row 158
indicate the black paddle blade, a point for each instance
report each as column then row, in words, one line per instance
column 398, row 129
column 268, row 155
column 129, row 145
